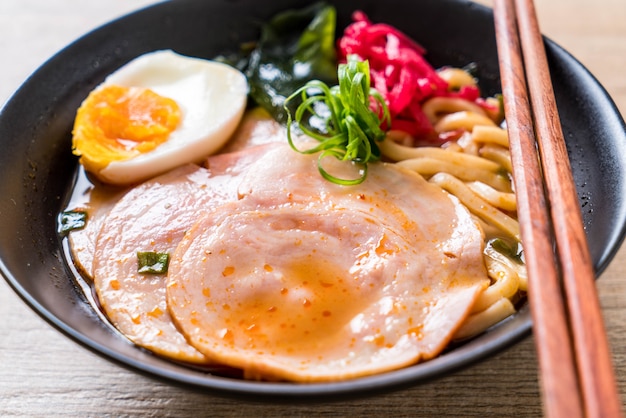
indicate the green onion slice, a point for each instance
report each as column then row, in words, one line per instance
column 513, row 251
column 346, row 119
column 72, row 220
column 149, row 262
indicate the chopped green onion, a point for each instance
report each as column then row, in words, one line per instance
column 341, row 118
column 500, row 98
column 514, row 251
column 72, row 220
column 152, row 263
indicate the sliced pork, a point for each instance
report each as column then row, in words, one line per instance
column 305, row 280
column 153, row 217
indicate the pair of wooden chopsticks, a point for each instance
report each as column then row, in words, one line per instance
column 576, row 370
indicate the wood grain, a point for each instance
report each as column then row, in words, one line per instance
column 558, row 375
column 43, row 374
column 592, row 356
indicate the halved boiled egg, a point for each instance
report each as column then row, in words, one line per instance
column 155, row 113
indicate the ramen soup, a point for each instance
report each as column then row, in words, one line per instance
column 354, row 224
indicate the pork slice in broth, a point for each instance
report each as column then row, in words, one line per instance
column 153, row 217
column 305, row 280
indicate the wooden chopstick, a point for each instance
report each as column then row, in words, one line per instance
column 555, row 354
column 575, row 363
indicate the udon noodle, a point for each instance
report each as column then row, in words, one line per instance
column 476, row 169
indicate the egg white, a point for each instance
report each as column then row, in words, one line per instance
column 211, row 96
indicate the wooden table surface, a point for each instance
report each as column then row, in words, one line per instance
column 43, row 373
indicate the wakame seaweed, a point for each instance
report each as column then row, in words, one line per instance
column 295, row 46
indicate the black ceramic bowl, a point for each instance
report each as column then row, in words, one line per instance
column 37, row 168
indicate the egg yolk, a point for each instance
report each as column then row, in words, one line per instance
column 118, row 123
